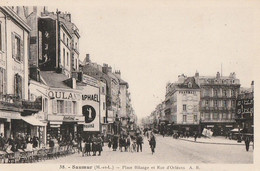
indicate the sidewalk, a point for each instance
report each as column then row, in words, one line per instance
column 214, row 140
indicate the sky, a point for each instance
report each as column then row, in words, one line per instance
column 152, row 43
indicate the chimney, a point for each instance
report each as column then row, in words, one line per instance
column 218, row 75
column 118, row 73
column 109, row 69
column 181, row 78
column 252, row 86
column 87, row 59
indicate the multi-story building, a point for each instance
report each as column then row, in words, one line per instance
column 245, row 110
column 182, row 101
column 16, row 111
column 218, row 101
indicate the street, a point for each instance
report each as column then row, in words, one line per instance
column 168, row 150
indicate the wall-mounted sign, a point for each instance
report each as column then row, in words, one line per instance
column 63, row 95
column 91, row 108
column 65, row 118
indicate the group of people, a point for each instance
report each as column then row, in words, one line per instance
column 92, row 144
column 126, row 143
column 21, row 141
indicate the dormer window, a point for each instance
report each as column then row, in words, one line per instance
column 190, row 85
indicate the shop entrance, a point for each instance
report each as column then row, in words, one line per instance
column 68, row 129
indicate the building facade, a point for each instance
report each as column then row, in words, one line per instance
column 218, row 102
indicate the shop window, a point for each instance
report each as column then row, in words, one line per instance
column 60, row 106
column 18, row 86
column 184, row 118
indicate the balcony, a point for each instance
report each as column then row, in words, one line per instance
column 10, row 102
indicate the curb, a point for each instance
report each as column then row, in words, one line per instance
column 210, row 142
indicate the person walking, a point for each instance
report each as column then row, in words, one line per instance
column 115, row 142
column 87, row 148
column 128, row 143
column 99, row 144
column 152, row 143
column 247, row 142
column 139, row 142
column 94, row 145
column 195, row 136
column 121, row 143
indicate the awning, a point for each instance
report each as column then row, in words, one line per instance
column 55, row 123
column 32, row 120
column 236, row 130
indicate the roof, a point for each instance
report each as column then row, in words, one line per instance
column 55, row 80
column 186, row 83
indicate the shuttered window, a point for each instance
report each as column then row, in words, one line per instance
column 54, row 106
column 17, row 47
column 18, row 86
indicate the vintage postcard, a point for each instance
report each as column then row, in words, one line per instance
column 129, row 85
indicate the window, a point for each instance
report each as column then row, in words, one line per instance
column 17, row 47
column 207, row 102
column 2, row 82
column 184, row 118
column 63, row 57
column 18, row 86
column 225, row 93
column 195, row 118
column 60, row 106
column 76, row 64
column 232, row 92
column 207, row 115
column 189, row 84
column 104, row 106
column 215, row 103
column 103, row 89
column 74, row 107
column 1, row 37
column 224, row 116
column 64, row 38
column 215, row 116
column 69, row 107
column 224, row 103
column 184, row 107
column 67, row 42
column 67, row 58
column 233, row 103
column 76, row 46
column 215, row 92
column 45, row 105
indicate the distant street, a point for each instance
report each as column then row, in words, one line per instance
column 168, row 150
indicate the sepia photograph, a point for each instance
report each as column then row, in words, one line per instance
column 128, row 85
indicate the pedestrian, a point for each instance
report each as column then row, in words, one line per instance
column 11, row 143
column 51, row 142
column 139, row 142
column 79, row 141
column 88, row 145
column 128, row 143
column 94, row 145
column 247, row 142
column 35, row 142
column 195, row 136
column 152, row 143
column 121, row 143
column 115, row 142
column 109, row 142
column 99, row 144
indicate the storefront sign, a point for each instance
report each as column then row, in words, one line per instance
column 65, row 118
column 91, row 108
column 63, row 95
column 91, row 97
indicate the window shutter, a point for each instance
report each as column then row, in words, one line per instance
column 22, row 50
column 20, row 87
column 13, row 45
column 54, row 106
